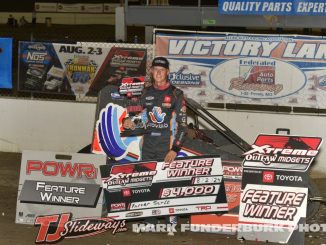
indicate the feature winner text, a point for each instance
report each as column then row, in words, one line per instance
column 48, row 193
column 191, row 167
column 279, row 205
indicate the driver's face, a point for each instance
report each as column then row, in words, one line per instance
column 160, row 75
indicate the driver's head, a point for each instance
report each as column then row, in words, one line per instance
column 160, row 70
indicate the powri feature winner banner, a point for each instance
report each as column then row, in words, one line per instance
column 247, row 69
column 272, row 7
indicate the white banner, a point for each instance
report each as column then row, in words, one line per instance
column 110, row 7
column 72, row 8
column 45, row 7
column 279, row 70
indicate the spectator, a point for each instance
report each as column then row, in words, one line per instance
column 22, row 21
column 33, row 17
column 10, row 20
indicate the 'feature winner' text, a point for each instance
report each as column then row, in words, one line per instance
column 191, row 167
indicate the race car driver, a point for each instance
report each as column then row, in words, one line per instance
column 166, row 121
column 165, row 115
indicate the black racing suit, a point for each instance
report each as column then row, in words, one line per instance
column 166, row 121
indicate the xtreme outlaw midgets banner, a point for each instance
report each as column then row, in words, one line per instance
column 274, row 188
column 144, row 189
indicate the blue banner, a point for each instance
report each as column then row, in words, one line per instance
column 272, row 7
column 6, row 63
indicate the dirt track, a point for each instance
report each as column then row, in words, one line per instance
column 11, row 233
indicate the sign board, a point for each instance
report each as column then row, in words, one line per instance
column 272, row 7
column 144, row 189
column 53, row 183
column 77, row 69
column 235, row 68
column 6, row 63
column 274, row 194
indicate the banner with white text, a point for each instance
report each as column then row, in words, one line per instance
column 272, row 7
column 55, row 183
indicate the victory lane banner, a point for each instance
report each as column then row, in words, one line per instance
column 52, row 183
column 279, row 70
column 144, row 189
column 274, row 188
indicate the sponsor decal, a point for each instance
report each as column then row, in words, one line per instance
column 36, row 54
column 132, row 86
column 140, row 191
column 167, row 99
column 130, row 175
column 108, row 134
column 319, row 82
column 134, row 214
column 37, row 47
column 54, row 228
column 126, row 192
column 128, row 58
column 258, row 78
column 118, row 206
column 80, row 72
column 53, row 168
column 156, row 212
column 116, row 96
column 204, row 207
column 291, row 178
column 268, row 176
column 282, row 152
column 149, row 98
column 233, row 172
column 156, row 115
column 181, row 77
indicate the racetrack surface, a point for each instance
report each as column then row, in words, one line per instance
column 11, row 233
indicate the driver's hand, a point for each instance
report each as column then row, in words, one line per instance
column 170, row 156
column 128, row 124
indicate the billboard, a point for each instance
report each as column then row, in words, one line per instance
column 272, row 7
column 279, row 70
column 6, row 63
column 77, row 69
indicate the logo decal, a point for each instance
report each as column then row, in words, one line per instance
column 109, row 127
column 268, row 177
column 65, row 227
column 156, row 115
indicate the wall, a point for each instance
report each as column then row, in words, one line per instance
column 45, row 125
column 67, row 126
